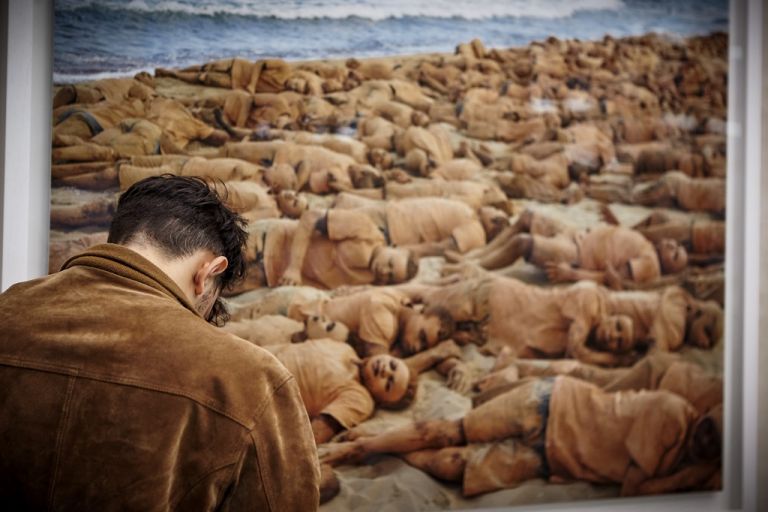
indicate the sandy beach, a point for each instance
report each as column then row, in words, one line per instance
column 561, row 127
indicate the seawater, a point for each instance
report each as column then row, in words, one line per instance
column 104, row 38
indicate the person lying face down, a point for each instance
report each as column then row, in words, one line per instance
column 341, row 390
column 604, row 254
column 559, row 429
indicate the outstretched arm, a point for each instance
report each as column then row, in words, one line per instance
column 301, row 240
column 578, row 349
column 405, row 439
column 446, row 359
column 688, row 478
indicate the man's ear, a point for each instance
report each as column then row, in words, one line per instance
column 209, row 269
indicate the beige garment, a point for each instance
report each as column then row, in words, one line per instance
column 708, row 237
column 341, row 258
column 620, row 247
column 431, row 219
column 177, row 121
column 697, row 194
column 596, row 436
column 658, row 316
column 265, row 330
column 373, row 315
column 703, row 390
column 327, row 373
column 546, row 318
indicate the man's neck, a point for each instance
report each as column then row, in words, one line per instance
column 178, row 269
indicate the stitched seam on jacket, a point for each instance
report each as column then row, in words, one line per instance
column 202, row 479
column 62, row 428
column 266, row 482
column 248, row 423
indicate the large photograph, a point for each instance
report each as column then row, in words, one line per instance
column 486, row 238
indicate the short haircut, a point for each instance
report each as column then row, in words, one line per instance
column 180, row 215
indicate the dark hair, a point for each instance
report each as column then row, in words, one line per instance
column 447, row 324
column 180, row 215
column 412, row 267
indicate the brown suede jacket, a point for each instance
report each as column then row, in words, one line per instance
column 116, row 395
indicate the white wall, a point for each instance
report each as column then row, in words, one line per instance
column 27, row 141
column 25, row 107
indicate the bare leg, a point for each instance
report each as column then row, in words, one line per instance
column 446, row 463
column 519, row 245
column 523, row 225
column 409, row 438
column 680, row 231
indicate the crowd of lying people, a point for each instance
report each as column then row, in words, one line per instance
column 558, row 206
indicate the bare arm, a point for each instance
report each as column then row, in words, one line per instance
column 690, row 477
column 299, row 246
column 578, row 349
column 324, row 427
column 432, row 248
column 423, row 361
column 405, row 439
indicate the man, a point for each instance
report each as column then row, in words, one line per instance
column 583, row 321
column 431, row 225
column 340, row 390
column 120, row 392
column 376, row 318
column 326, row 249
column 560, row 429
column 660, row 370
column 604, row 254
column 673, row 189
column 704, row 239
column 533, row 321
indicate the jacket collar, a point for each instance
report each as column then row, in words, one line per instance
column 124, row 262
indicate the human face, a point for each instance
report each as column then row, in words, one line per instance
column 672, row 256
column 420, row 333
column 291, row 204
column 703, row 325
column 390, row 265
column 319, row 326
column 615, row 334
column 386, row 378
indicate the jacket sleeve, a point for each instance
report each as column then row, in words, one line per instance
column 279, row 470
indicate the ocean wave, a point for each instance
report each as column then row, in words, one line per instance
column 75, row 78
column 340, row 9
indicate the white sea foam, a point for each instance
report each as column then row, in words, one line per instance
column 366, row 9
column 73, row 78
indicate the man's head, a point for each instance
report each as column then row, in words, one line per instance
column 319, row 326
column 183, row 220
column 281, row 177
column 706, row 437
column 393, row 265
column 425, row 329
column 389, row 380
column 704, row 324
column 672, row 256
column 494, row 221
column 291, row 203
column 615, row 333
